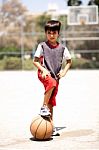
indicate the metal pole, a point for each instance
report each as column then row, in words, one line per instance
column 22, row 44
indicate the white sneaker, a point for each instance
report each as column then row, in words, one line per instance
column 55, row 132
column 45, row 111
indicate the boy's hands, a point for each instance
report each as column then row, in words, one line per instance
column 45, row 73
column 61, row 74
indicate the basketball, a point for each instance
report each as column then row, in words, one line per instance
column 41, row 128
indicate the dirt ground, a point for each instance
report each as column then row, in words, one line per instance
column 21, row 96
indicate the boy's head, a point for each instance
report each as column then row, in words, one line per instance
column 53, row 25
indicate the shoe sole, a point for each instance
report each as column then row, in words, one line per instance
column 47, row 116
column 57, row 134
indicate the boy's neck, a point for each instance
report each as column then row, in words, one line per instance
column 52, row 45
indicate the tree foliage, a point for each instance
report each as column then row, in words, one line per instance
column 12, row 9
column 94, row 2
column 41, row 20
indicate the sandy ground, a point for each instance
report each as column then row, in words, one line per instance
column 21, row 96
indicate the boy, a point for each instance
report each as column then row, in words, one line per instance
column 48, row 59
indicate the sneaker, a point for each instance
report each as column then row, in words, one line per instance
column 55, row 132
column 45, row 111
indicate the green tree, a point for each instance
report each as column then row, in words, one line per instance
column 40, row 21
column 12, row 9
column 94, row 2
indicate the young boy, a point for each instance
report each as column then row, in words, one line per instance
column 48, row 59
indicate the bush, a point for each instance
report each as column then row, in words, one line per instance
column 15, row 63
column 12, row 63
column 82, row 63
column 28, row 65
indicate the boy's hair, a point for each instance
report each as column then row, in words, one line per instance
column 53, row 25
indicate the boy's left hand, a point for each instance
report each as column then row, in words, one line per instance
column 61, row 74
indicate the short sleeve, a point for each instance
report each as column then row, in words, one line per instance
column 66, row 54
column 39, row 51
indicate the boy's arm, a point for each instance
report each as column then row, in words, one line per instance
column 63, row 72
column 36, row 62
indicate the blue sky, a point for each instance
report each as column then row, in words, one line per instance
column 42, row 5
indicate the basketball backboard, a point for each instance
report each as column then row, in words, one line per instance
column 78, row 15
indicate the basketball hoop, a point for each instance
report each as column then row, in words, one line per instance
column 82, row 15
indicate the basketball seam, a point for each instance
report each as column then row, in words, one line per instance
column 33, row 122
column 51, row 126
column 38, row 127
column 45, row 130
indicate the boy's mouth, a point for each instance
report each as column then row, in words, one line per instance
column 52, row 38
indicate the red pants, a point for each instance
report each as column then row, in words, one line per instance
column 48, row 83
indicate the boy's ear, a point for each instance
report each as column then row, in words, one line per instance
column 58, row 34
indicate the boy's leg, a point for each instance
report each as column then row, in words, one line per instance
column 49, row 84
column 52, row 99
column 47, row 96
column 46, row 109
column 51, row 110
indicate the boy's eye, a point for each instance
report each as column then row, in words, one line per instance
column 54, row 32
column 48, row 32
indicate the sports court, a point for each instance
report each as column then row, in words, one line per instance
column 77, row 109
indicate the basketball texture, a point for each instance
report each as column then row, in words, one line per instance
column 41, row 128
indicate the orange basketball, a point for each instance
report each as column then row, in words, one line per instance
column 41, row 128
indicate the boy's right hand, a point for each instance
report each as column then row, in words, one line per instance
column 45, row 73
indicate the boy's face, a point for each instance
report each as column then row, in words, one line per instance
column 52, row 36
